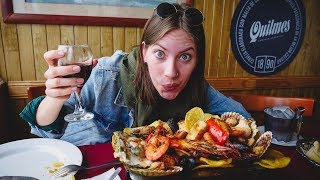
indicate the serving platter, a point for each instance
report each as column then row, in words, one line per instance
column 209, row 173
column 199, row 145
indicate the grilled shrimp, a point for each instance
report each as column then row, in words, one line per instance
column 156, row 147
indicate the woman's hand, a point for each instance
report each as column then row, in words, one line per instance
column 58, row 88
column 56, row 85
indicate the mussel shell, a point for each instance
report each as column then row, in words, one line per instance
column 155, row 172
column 264, row 140
column 187, row 162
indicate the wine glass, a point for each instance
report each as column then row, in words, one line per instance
column 80, row 55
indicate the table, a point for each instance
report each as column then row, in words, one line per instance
column 95, row 155
column 298, row 168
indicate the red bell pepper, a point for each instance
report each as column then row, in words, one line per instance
column 216, row 132
column 148, row 138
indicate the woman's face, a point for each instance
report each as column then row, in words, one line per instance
column 171, row 61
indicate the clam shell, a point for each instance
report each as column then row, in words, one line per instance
column 232, row 118
column 262, row 144
column 155, row 172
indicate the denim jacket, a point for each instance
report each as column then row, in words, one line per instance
column 102, row 95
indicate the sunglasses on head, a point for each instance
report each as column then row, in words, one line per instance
column 194, row 16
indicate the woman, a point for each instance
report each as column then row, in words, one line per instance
column 162, row 78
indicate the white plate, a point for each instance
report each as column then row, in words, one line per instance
column 35, row 157
column 293, row 142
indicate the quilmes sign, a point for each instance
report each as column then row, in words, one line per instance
column 266, row 35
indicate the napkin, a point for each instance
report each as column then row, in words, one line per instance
column 105, row 175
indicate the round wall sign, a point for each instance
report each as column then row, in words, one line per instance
column 266, row 35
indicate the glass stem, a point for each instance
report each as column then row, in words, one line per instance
column 78, row 110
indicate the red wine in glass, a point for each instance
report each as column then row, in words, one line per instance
column 84, row 72
column 80, row 55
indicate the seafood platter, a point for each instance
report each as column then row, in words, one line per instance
column 199, row 141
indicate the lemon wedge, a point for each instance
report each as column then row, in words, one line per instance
column 192, row 116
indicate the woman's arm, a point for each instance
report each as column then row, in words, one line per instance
column 48, row 110
column 58, row 89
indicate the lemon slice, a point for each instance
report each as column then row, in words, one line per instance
column 192, row 116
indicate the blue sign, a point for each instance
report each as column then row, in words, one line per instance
column 266, row 35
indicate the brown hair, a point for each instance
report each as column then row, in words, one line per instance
column 156, row 28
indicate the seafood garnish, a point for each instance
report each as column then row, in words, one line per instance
column 156, row 150
column 262, row 143
column 145, row 154
column 143, row 130
column 232, row 118
column 243, row 129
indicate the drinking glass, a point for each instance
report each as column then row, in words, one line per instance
column 80, row 55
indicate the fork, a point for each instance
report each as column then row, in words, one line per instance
column 65, row 170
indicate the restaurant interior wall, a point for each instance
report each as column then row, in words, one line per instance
column 22, row 64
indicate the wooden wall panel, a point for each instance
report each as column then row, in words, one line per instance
column 3, row 71
column 130, row 38
column 67, row 34
column 106, row 41
column 313, row 36
column 118, row 38
column 26, row 52
column 199, row 5
column 11, row 51
column 94, row 40
column 220, row 61
column 53, row 36
column 208, row 13
column 81, row 34
column 231, row 63
column 216, row 39
column 225, row 45
column 39, row 48
column 139, row 35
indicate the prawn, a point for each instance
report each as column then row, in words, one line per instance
column 201, row 147
column 156, row 146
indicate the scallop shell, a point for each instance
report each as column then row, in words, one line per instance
column 262, row 144
column 155, row 172
column 232, row 118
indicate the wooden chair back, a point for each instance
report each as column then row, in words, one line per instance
column 35, row 91
column 257, row 103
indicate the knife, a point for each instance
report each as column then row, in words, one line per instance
column 115, row 173
column 17, row 178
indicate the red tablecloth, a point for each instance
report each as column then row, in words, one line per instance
column 95, row 155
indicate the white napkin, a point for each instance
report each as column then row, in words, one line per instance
column 105, row 175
